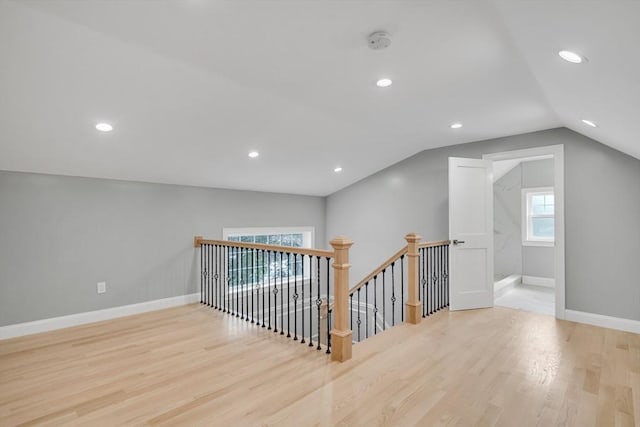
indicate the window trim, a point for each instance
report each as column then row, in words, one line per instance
column 525, row 226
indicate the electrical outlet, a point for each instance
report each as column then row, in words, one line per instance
column 102, row 287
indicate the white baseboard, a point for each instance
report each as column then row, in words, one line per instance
column 44, row 325
column 618, row 323
column 539, row 281
column 503, row 286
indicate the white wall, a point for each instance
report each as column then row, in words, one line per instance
column 59, row 236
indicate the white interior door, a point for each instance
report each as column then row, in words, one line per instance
column 471, row 233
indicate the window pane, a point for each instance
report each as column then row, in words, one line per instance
column 274, row 239
column 296, row 240
column 286, row 239
column 246, row 239
column 234, row 238
column 542, row 227
column 262, row 239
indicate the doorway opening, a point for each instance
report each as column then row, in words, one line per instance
column 528, row 218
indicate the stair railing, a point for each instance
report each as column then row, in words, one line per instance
column 283, row 289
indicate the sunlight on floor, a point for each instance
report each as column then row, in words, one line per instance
column 536, row 299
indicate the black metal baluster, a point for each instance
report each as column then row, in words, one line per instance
column 384, row 304
column 358, row 322
column 310, row 301
column 318, row 299
column 402, row 288
column 447, row 275
column 436, row 277
column 366, row 305
column 211, row 268
column 351, row 311
column 229, row 262
column 441, row 302
column 242, row 280
column 253, row 284
column 423, row 283
column 288, row 295
column 208, row 278
column 375, row 304
column 269, row 288
column 275, row 292
column 281, row 299
column 262, row 285
column 215, row 277
column 247, row 284
column 241, row 272
column 295, row 297
column 329, row 331
column 302, row 341
column 328, row 260
column 201, row 273
column 393, row 294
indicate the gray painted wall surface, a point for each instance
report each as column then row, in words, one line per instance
column 602, row 212
column 538, row 261
column 507, row 237
column 59, row 236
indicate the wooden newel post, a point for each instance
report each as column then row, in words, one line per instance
column 341, row 334
column 413, row 302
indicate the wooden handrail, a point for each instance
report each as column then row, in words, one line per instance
column 378, row 270
column 433, row 243
column 198, row 241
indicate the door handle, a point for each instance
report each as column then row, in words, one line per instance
column 457, row 242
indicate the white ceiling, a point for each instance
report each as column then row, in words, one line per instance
column 192, row 86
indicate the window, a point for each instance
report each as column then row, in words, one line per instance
column 538, row 222
column 249, row 267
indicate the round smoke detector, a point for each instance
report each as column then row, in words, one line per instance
column 379, row 40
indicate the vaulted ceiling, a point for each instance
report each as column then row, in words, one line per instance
column 192, row 86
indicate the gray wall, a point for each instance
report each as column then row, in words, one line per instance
column 538, row 261
column 507, row 216
column 602, row 215
column 59, row 236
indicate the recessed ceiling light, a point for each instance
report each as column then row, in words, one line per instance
column 104, row 127
column 456, row 125
column 589, row 123
column 253, row 154
column 338, row 169
column 572, row 57
column 384, row 83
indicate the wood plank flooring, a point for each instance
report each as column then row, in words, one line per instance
column 195, row 366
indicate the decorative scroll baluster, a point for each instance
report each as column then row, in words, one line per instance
column 359, row 321
column 393, row 295
column 375, row 305
column 275, row 293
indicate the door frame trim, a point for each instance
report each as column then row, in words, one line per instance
column 557, row 151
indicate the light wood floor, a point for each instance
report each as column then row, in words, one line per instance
column 194, row 366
